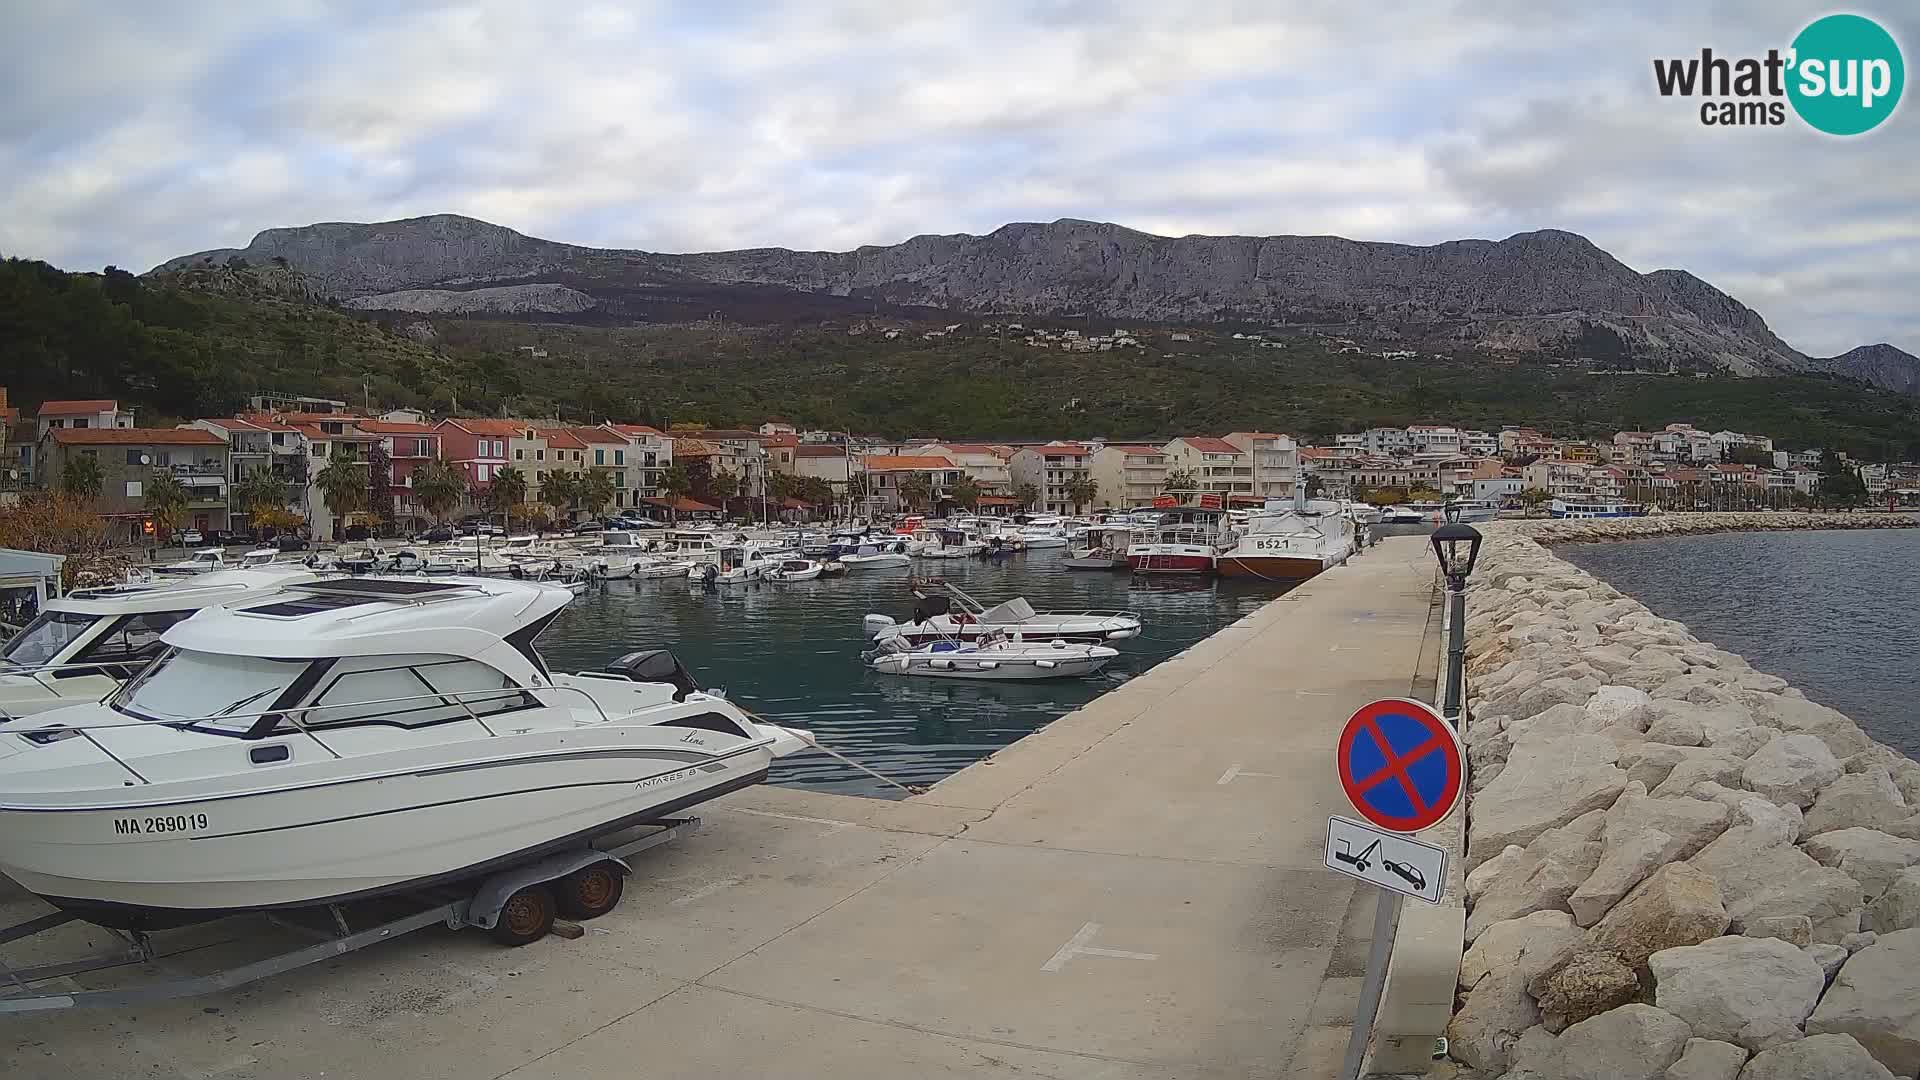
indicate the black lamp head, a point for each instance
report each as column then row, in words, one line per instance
column 1457, row 547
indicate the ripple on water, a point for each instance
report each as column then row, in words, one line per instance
column 792, row 654
column 1835, row 613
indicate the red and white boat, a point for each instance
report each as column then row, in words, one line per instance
column 1186, row 541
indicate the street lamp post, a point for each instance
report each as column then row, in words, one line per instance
column 1457, row 547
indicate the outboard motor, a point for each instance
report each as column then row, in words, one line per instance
column 875, row 625
column 928, row 608
column 657, row 666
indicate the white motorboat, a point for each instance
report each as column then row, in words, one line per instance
column 996, row 657
column 1363, row 513
column 660, row 568
column 943, row 612
column 793, row 570
column 1043, row 533
column 730, row 565
column 1185, row 540
column 1401, row 515
column 263, row 556
column 1291, row 544
column 871, row 557
column 1102, row 547
column 612, row 567
column 82, row 646
column 1467, row 510
column 203, row 561
column 352, row 738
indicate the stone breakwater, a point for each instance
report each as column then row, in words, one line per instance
column 1587, row 530
column 1678, row 866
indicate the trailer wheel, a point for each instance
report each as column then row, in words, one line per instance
column 526, row 917
column 591, row 891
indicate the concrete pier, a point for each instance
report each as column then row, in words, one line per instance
column 1135, row 892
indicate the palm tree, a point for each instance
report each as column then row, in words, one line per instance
column 509, row 489
column 80, row 476
column 596, row 490
column 1179, row 480
column 259, row 490
column 1027, row 494
column 559, row 489
column 166, row 500
column 439, row 484
column 723, row 486
column 965, row 492
column 343, row 485
column 1082, row 490
column 915, row 489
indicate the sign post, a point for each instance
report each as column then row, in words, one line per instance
column 1402, row 767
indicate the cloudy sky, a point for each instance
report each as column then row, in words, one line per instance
column 133, row 132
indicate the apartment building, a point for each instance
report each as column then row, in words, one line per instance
column 1129, row 475
column 1215, row 465
column 825, row 461
column 884, row 473
column 328, row 439
column 649, row 455
column 129, row 457
column 408, row 446
column 85, row 414
column 261, row 442
column 738, row 452
column 1051, row 468
column 477, row 446
column 1557, row 476
column 1276, row 462
column 1427, row 438
column 985, row 462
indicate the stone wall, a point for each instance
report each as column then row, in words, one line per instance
column 1679, row 866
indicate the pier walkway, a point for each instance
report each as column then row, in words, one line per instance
column 1135, row 892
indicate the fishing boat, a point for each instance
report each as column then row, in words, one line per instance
column 1103, row 547
column 793, row 570
column 83, row 645
column 352, row 738
column 997, row 656
column 1186, row 540
column 942, row 612
column 1290, row 544
column 873, row 557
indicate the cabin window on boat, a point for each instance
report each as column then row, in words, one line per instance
column 221, row 691
column 42, row 639
column 362, row 690
column 134, row 637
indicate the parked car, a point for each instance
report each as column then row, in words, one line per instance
column 439, row 534
column 587, row 527
column 290, row 542
column 191, row 538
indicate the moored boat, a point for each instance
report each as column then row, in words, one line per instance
column 1291, row 544
column 942, row 611
column 998, row 657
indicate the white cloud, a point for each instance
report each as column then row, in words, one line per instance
column 130, row 135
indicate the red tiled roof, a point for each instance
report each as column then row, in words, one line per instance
column 316, row 417
column 136, row 436
column 968, row 448
column 1315, row 453
column 482, row 426
column 1127, row 448
column 695, row 448
column 562, row 439
column 898, row 463
column 996, row 500
column 395, row 427
column 684, row 505
column 819, row 450
column 82, row 407
column 634, row 429
column 712, row 434
column 780, row 440
column 1064, row 449
column 1208, row 445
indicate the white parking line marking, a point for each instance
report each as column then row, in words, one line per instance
column 1077, row 946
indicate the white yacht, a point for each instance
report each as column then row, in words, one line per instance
column 350, row 738
column 872, row 557
column 950, row 614
column 1043, row 532
column 82, row 646
column 203, row 561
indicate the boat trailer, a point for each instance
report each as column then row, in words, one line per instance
column 518, row 906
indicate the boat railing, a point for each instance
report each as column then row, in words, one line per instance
column 1090, row 613
column 457, row 697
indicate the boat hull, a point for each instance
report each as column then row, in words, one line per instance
column 992, row 670
column 1172, row 561
column 166, row 863
column 1271, row 567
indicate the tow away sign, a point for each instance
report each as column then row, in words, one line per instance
column 1390, row 860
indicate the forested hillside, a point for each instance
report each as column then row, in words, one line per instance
column 199, row 344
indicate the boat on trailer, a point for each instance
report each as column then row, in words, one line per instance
column 352, row 738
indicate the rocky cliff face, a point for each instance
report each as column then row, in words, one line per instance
column 1879, row 365
column 1555, row 278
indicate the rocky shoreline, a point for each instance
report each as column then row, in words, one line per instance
column 1680, row 868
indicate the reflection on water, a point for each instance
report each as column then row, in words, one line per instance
column 791, row 653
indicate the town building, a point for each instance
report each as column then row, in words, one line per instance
column 1215, row 465
column 1128, row 475
column 1275, row 460
column 824, row 461
column 884, row 473
column 87, row 413
column 1559, row 477
column 261, row 442
column 329, row 439
column 739, row 453
column 986, row 463
column 129, row 458
column 296, row 403
column 1051, row 469
column 478, row 447
column 408, row 446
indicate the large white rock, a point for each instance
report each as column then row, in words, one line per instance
column 1586, row 983
column 1868, row 856
column 1649, row 763
column 1560, row 860
column 1677, row 729
column 1546, row 783
column 1511, row 860
column 1632, row 1042
column 1706, row 1059
column 1865, row 799
column 1707, row 765
column 1752, row 991
column 1483, row 1032
column 1876, row 999
column 1611, row 705
column 1791, row 769
column 1678, row 905
column 1798, row 715
column 1898, row 908
column 1817, row 1057
column 1529, row 945
column 1641, row 834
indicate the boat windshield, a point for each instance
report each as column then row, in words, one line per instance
column 188, row 685
column 43, row 639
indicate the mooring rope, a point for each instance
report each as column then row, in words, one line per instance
column 814, row 741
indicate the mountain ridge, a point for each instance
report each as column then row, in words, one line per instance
column 1881, row 365
column 1534, row 290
